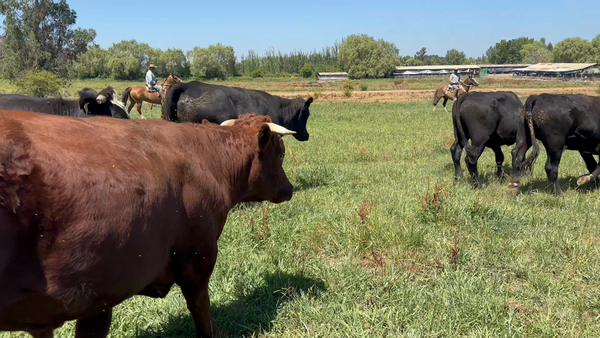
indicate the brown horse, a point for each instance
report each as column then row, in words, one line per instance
column 448, row 93
column 139, row 94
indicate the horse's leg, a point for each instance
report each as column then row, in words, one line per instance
column 139, row 108
column 445, row 101
column 131, row 104
column 436, row 99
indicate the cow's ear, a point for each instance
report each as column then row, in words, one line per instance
column 264, row 135
column 308, row 102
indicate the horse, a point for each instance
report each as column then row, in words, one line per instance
column 447, row 92
column 139, row 94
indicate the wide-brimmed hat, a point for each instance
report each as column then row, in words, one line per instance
column 152, row 66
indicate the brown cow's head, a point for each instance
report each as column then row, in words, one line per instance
column 267, row 180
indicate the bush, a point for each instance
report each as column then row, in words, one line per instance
column 348, row 85
column 39, row 83
column 317, row 94
column 261, row 73
column 364, row 87
column 347, row 92
column 307, row 71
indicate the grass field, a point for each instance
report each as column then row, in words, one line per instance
column 303, row 85
column 379, row 241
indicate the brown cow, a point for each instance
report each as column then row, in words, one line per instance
column 94, row 211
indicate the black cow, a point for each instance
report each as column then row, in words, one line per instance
column 90, row 103
column 559, row 122
column 488, row 120
column 195, row 101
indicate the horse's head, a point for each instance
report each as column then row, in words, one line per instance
column 471, row 81
column 172, row 79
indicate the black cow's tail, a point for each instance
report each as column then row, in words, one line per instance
column 527, row 165
column 126, row 95
column 462, row 138
column 169, row 106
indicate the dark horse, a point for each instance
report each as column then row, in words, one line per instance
column 447, row 92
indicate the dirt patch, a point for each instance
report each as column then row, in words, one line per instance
column 420, row 95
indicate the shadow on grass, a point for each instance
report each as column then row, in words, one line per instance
column 566, row 184
column 251, row 314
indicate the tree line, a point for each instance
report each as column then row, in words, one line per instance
column 39, row 35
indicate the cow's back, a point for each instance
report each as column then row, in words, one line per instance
column 92, row 212
column 197, row 101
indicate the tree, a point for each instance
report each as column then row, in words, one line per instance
column 420, row 55
column 307, row 71
column 596, row 48
column 413, row 62
column 454, row 57
column 129, row 59
column 575, row 50
column 363, row 56
column 92, row 64
column 216, row 61
column 174, row 61
column 507, row 51
column 38, row 34
column 536, row 52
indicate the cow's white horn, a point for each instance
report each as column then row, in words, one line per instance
column 277, row 129
column 228, row 123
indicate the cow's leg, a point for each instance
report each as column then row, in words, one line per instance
column 554, row 156
column 456, row 151
column 593, row 168
column 518, row 157
column 473, row 153
column 95, row 326
column 195, row 274
column 499, row 160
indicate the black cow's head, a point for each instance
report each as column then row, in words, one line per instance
column 104, row 104
column 299, row 121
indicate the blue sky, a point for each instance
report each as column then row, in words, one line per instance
column 469, row 26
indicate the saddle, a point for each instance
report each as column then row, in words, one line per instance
column 150, row 89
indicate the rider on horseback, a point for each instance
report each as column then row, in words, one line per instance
column 151, row 81
column 455, row 82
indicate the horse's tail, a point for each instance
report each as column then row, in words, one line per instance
column 169, row 106
column 126, row 95
column 435, row 95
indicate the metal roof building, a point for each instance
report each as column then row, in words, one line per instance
column 433, row 71
column 564, row 71
column 332, row 76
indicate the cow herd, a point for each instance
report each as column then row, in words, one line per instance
column 494, row 119
column 96, row 208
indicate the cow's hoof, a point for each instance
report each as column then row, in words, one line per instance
column 585, row 179
column 514, row 188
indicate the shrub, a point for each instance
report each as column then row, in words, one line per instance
column 307, row 71
column 348, row 85
column 316, row 95
column 364, row 87
column 39, row 83
column 347, row 92
column 261, row 73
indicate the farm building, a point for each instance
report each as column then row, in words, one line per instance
column 563, row 71
column 500, row 69
column 325, row 77
column 433, row 71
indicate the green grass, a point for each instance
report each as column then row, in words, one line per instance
column 309, row 85
column 379, row 241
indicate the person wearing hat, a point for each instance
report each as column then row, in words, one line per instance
column 454, row 81
column 151, row 80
